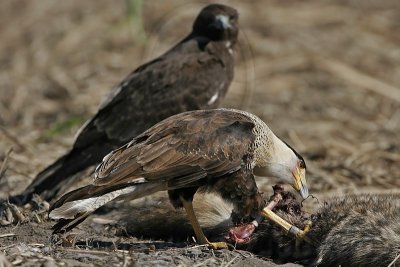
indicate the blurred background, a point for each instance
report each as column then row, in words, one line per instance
column 324, row 75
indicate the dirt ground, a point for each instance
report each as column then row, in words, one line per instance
column 324, row 75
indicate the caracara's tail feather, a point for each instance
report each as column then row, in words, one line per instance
column 75, row 206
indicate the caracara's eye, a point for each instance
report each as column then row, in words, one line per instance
column 302, row 164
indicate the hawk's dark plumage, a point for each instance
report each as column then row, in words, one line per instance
column 194, row 74
column 211, row 149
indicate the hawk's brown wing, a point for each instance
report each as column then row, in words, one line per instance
column 185, row 78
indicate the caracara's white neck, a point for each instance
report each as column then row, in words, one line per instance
column 276, row 159
column 282, row 152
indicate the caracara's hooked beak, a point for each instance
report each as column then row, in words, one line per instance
column 299, row 181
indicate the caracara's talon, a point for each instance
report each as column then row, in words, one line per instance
column 218, row 245
column 201, row 238
column 307, row 227
column 301, row 235
column 291, row 229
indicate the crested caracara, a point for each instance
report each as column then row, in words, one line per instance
column 214, row 150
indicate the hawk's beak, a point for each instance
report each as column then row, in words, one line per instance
column 222, row 22
column 299, row 181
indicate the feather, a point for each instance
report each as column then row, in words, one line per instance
column 70, row 209
column 80, row 207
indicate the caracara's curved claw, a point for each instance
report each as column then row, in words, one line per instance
column 218, row 245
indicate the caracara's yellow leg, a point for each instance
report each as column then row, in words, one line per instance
column 300, row 234
column 201, row 238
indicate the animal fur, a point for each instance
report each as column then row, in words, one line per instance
column 354, row 230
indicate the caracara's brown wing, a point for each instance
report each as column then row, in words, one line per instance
column 181, row 150
column 174, row 154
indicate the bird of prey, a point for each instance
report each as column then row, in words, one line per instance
column 194, row 74
column 213, row 150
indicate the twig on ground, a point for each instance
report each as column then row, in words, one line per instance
column 84, row 251
column 394, row 261
column 231, row 261
column 127, row 261
column 4, row 262
column 7, row 235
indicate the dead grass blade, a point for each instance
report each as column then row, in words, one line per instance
column 394, row 261
column 360, row 79
column 7, row 235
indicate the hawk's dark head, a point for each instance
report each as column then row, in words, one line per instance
column 217, row 22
